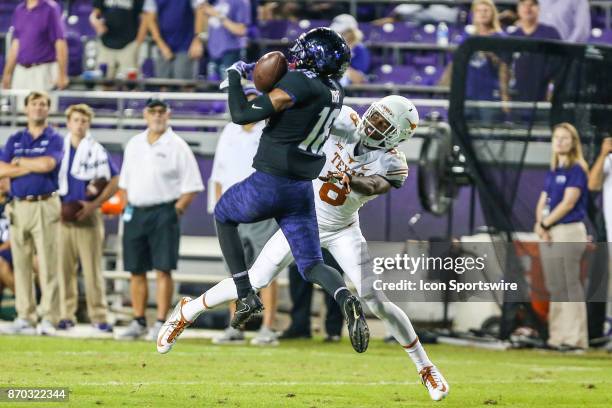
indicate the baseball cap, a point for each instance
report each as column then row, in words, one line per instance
column 154, row 102
column 343, row 22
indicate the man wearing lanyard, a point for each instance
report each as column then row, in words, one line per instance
column 31, row 159
column 160, row 177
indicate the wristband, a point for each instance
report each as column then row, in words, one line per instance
column 544, row 227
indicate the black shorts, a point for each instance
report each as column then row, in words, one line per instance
column 151, row 239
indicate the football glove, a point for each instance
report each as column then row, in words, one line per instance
column 338, row 177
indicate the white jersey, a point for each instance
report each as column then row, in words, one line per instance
column 335, row 208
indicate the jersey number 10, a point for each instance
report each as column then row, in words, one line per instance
column 319, row 133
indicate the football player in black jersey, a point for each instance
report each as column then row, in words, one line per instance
column 301, row 110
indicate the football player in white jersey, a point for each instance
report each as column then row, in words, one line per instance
column 361, row 164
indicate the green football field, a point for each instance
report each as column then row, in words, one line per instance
column 297, row 374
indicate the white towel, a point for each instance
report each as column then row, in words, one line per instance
column 90, row 162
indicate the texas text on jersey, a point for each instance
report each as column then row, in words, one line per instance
column 336, row 208
column 291, row 144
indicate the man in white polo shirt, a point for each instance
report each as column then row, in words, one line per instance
column 160, row 177
column 600, row 177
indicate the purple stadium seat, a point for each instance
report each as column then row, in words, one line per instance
column 599, row 36
column 425, row 34
column 399, row 74
column 398, row 32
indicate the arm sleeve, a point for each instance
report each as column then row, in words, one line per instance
column 577, row 178
column 242, row 110
column 150, row 6
column 396, row 168
column 297, row 85
column 6, row 155
column 56, row 150
column 16, row 26
column 56, row 26
column 191, row 179
column 124, row 174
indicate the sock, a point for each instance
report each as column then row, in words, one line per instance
column 418, row 355
column 161, row 321
column 233, row 253
column 341, row 295
column 400, row 326
column 141, row 321
column 192, row 309
column 219, row 294
column 330, row 280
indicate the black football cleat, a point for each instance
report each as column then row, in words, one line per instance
column 245, row 308
column 356, row 323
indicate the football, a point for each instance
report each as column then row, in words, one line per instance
column 70, row 210
column 95, row 187
column 269, row 70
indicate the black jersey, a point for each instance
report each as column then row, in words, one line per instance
column 290, row 145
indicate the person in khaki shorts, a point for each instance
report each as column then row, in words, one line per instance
column 559, row 224
column 85, row 164
column 31, row 159
column 121, row 30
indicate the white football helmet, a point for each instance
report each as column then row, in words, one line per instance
column 388, row 122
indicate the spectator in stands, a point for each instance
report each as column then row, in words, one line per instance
column 160, row 177
column 600, row 178
column 487, row 73
column 84, row 165
column 559, row 224
column 121, row 29
column 435, row 13
column 179, row 45
column 572, row 18
column 233, row 163
column 346, row 25
column 38, row 55
column 532, row 72
column 228, row 21
column 31, row 159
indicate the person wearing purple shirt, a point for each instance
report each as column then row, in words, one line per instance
column 532, row 72
column 179, row 45
column 560, row 212
column 31, row 158
column 228, row 21
column 38, row 56
column 487, row 76
column 81, row 235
